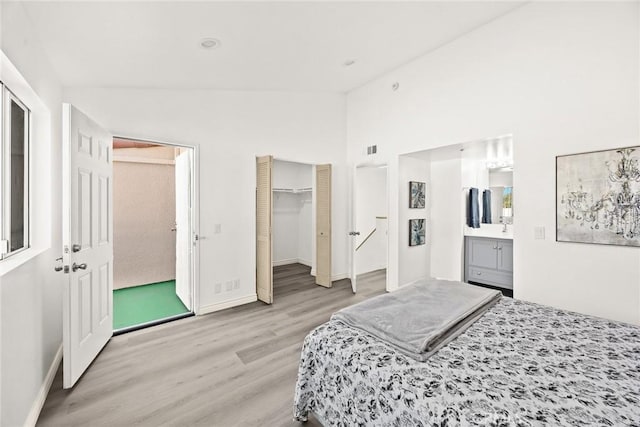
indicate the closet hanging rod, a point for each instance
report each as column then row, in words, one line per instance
column 292, row 190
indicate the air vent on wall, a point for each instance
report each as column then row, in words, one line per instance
column 372, row 149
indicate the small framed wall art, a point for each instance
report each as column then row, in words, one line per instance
column 417, row 232
column 417, row 195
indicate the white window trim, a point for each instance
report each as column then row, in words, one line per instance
column 40, row 188
column 7, row 97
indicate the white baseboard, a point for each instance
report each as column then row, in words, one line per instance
column 210, row 308
column 291, row 261
column 34, row 413
column 378, row 268
column 335, row 276
column 284, row 262
column 304, row 262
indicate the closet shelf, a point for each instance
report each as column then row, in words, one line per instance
column 292, row 190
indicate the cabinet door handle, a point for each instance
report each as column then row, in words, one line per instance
column 499, row 248
column 495, row 247
column 479, row 273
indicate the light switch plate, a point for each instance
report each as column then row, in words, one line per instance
column 538, row 233
column 217, row 228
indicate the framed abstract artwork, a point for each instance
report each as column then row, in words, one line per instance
column 417, row 195
column 598, row 197
column 417, row 232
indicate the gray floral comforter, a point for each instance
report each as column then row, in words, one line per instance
column 521, row 364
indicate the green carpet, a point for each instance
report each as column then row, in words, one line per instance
column 145, row 303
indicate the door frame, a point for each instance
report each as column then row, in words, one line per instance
column 352, row 239
column 313, row 208
column 195, row 210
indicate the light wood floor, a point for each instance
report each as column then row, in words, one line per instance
column 236, row 367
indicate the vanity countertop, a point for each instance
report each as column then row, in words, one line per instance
column 493, row 231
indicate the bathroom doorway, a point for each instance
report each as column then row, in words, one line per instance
column 469, row 213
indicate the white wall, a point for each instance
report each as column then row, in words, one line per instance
column 446, row 204
column 286, row 208
column 231, row 128
column 30, row 293
column 291, row 175
column 414, row 261
column 144, row 212
column 371, row 202
column 292, row 219
column 562, row 78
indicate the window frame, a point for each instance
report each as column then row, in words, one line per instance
column 7, row 97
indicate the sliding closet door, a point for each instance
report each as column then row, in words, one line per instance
column 323, row 225
column 264, row 270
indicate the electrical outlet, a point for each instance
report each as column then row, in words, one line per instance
column 228, row 285
column 236, row 284
column 538, row 233
column 217, row 228
column 217, row 288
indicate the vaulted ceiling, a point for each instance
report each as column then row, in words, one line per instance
column 280, row 46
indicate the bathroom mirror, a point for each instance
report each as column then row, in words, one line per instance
column 501, row 186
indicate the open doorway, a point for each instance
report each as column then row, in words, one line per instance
column 152, row 187
column 313, row 184
column 469, row 214
column 292, row 237
column 370, row 220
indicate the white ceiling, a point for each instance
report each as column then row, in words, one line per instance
column 290, row 46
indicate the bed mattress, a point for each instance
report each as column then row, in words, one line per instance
column 521, row 364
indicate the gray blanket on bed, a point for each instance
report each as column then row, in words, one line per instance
column 420, row 318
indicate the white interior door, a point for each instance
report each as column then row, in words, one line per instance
column 87, row 242
column 323, row 225
column 183, row 228
column 264, row 220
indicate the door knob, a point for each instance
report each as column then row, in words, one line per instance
column 76, row 267
column 76, row 248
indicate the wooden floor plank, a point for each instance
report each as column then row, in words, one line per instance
column 233, row 367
